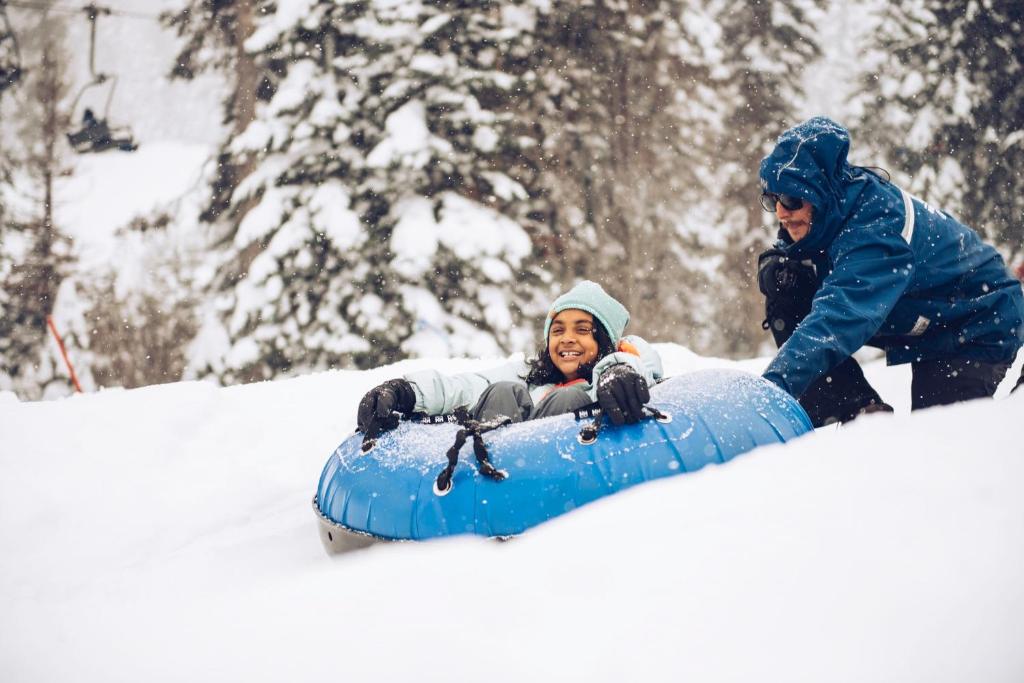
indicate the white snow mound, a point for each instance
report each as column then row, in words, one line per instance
column 165, row 534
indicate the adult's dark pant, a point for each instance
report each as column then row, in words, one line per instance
column 944, row 381
column 844, row 391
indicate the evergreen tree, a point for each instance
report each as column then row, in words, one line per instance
column 380, row 218
column 10, row 57
column 139, row 335
column 623, row 108
column 945, row 103
column 449, row 166
column 36, row 252
column 213, row 35
column 766, row 46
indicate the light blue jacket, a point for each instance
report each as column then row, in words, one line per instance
column 893, row 271
column 439, row 394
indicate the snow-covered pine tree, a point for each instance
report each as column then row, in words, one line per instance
column 138, row 316
column 944, row 102
column 759, row 76
column 36, row 253
column 213, row 35
column 623, row 108
column 380, row 217
column 10, row 57
column 450, row 163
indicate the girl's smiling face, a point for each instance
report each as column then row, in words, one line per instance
column 571, row 341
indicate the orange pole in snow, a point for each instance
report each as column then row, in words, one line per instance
column 64, row 352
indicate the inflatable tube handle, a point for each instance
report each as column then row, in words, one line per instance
column 589, row 432
column 476, row 429
column 444, row 480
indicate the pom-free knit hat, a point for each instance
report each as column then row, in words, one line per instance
column 590, row 297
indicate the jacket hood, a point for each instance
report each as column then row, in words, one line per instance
column 809, row 161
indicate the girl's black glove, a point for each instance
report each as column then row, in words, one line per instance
column 622, row 393
column 381, row 401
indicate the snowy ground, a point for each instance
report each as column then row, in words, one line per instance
column 165, row 534
column 107, row 191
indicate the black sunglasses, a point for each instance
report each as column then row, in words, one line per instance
column 788, row 201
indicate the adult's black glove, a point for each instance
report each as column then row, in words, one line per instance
column 377, row 406
column 777, row 274
column 788, row 287
column 622, row 393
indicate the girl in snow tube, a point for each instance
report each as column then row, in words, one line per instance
column 391, row 483
column 585, row 358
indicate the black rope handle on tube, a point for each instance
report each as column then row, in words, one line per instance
column 475, row 429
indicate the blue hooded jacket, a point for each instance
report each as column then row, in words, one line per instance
column 893, row 272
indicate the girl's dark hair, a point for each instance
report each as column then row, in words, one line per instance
column 541, row 370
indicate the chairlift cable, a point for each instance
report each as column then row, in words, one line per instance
column 41, row 7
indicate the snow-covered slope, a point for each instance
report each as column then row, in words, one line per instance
column 109, row 190
column 165, row 534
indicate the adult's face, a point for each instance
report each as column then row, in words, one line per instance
column 797, row 222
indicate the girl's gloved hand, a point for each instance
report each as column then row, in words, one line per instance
column 622, row 393
column 380, row 402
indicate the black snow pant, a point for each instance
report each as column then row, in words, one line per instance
column 844, row 391
column 944, row 381
column 511, row 399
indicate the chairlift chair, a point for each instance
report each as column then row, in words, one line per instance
column 96, row 135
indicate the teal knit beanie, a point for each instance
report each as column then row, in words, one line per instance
column 590, row 297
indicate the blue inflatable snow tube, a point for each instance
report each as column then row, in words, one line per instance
column 389, row 492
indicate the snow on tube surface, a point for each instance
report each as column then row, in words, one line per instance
column 389, row 492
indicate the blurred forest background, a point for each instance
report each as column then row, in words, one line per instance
column 379, row 179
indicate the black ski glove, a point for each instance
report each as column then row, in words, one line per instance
column 788, row 287
column 777, row 274
column 381, row 401
column 622, row 394
column 769, row 263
